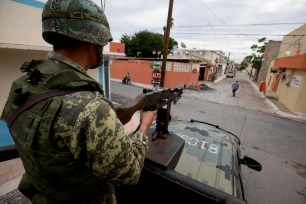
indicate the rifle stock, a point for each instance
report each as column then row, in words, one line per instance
column 125, row 112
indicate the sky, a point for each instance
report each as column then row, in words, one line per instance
column 230, row 26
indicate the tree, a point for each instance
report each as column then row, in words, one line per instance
column 141, row 44
column 255, row 58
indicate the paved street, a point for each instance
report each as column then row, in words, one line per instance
column 221, row 92
column 273, row 139
column 274, row 144
column 247, row 96
column 268, row 131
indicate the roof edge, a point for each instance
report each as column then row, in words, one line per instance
column 25, row 47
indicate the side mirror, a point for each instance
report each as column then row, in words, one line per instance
column 251, row 163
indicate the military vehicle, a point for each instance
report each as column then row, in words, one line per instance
column 190, row 161
column 187, row 161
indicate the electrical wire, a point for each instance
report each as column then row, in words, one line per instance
column 257, row 24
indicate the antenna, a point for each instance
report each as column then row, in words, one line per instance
column 242, row 126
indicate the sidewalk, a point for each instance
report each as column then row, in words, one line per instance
column 270, row 99
column 277, row 106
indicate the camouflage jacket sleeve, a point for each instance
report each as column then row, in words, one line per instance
column 113, row 156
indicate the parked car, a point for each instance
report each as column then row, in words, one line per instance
column 230, row 74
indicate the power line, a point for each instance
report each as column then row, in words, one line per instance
column 222, row 20
column 236, row 34
column 257, row 24
column 296, row 40
column 213, row 13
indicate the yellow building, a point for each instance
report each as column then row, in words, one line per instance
column 290, row 71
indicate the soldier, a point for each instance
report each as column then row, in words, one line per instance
column 73, row 147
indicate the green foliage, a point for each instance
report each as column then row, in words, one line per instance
column 255, row 58
column 241, row 66
column 128, row 47
column 141, row 44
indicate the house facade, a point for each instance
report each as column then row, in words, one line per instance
column 212, row 63
column 290, row 70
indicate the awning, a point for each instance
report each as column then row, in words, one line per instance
column 292, row 62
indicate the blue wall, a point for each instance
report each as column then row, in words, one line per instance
column 33, row 3
column 5, row 135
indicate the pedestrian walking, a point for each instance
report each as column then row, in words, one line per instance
column 235, row 87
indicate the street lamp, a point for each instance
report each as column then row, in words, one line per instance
column 156, row 53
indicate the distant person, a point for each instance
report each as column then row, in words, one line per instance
column 263, row 87
column 128, row 78
column 235, row 87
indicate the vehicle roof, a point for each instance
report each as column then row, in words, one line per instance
column 210, row 155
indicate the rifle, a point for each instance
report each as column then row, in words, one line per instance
column 164, row 148
column 149, row 100
column 152, row 100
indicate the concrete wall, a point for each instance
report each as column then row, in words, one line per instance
column 177, row 74
column 11, row 61
column 271, row 48
column 295, row 40
column 20, row 25
column 117, row 47
column 293, row 94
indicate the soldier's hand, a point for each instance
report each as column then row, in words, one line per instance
column 146, row 120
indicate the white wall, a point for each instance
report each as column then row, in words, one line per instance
column 20, row 25
column 11, row 61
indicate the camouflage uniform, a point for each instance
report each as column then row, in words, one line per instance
column 73, row 147
column 113, row 156
column 89, row 150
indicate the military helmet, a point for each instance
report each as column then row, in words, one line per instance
column 77, row 19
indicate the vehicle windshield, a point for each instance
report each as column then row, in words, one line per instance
column 212, row 153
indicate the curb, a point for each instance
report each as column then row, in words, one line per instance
column 220, row 79
column 274, row 107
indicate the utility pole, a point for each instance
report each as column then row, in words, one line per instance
column 166, row 44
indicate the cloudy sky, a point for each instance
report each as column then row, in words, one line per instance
column 231, row 26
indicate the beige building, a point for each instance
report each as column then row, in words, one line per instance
column 290, row 71
column 212, row 63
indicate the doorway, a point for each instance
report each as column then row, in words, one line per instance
column 202, row 74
